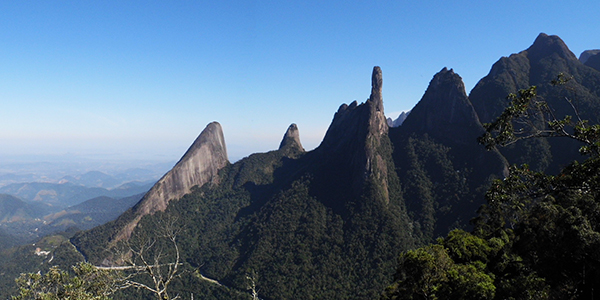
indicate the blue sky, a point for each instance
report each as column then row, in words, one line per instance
column 141, row 79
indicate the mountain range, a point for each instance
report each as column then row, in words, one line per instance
column 330, row 223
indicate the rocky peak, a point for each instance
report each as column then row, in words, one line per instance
column 199, row 165
column 355, row 134
column 585, row 55
column 445, row 110
column 546, row 45
column 354, row 120
column 291, row 138
column 594, row 61
column 376, row 87
column 395, row 123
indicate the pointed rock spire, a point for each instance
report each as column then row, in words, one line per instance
column 291, row 138
column 199, row 165
column 355, row 136
column 376, row 87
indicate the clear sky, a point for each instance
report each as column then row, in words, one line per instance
column 141, row 79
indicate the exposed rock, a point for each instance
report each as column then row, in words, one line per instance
column 399, row 120
column 291, row 139
column 199, row 165
column 376, row 88
column 446, row 114
column 445, row 111
column 547, row 45
column 355, row 135
column 353, row 121
column 594, row 61
column 538, row 65
column 585, row 55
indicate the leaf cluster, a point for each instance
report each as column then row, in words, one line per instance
column 527, row 116
column 86, row 283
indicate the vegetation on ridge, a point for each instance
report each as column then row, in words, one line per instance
column 538, row 235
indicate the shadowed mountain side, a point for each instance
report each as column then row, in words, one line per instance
column 585, row 55
column 199, row 165
column 445, row 112
column 539, row 65
column 331, row 223
column 594, row 61
column 355, row 134
column 443, row 170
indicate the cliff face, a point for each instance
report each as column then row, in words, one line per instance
column 291, row 139
column 355, row 136
column 199, row 165
column 302, row 218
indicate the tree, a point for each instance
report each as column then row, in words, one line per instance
column 147, row 262
column 151, row 262
column 528, row 117
column 252, row 278
column 88, row 282
column 431, row 272
column 537, row 237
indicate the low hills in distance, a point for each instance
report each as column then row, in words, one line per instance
column 30, row 210
column 331, row 223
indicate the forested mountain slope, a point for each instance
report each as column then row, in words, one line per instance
column 443, row 170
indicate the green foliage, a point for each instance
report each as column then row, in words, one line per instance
column 88, row 283
column 528, row 116
column 432, row 273
column 434, row 182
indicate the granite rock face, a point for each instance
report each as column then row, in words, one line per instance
column 446, row 114
column 355, row 135
column 291, row 138
column 537, row 65
column 199, row 165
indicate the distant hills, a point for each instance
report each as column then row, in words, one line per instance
column 79, row 171
column 32, row 210
column 68, row 194
column 330, row 223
